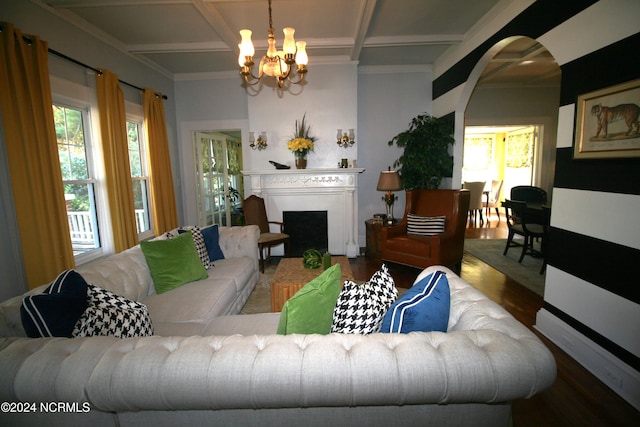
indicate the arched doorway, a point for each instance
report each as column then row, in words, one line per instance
column 518, row 88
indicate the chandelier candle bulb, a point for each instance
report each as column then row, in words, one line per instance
column 301, row 57
column 289, row 45
column 276, row 63
column 246, row 45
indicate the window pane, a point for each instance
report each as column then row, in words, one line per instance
column 71, row 144
column 83, row 224
column 134, row 149
column 77, row 180
column 141, row 206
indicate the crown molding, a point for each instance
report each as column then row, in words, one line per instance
column 101, row 36
column 395, row 69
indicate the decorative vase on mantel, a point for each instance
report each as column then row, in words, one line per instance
column 301, row 143
column 301, row 161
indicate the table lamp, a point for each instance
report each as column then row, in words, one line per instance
column 389, row 181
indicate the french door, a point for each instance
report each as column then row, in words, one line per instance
column 218, row 162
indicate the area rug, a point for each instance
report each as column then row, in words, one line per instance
column 525, row 273
column 260, row 299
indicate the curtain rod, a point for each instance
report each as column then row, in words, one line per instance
column 97, row 71
column 68, row 58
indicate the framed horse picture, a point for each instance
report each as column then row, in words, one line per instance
column 607, row 122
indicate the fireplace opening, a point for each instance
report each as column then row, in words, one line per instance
column 306, row 230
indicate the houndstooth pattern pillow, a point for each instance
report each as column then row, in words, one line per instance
column 361, row 308
column 111, row 314
column 198, row 241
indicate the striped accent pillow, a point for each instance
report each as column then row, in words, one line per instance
column 55, row 311
column 424, row 307
column 425, row 225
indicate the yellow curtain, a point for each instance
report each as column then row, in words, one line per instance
column 162, row 195
column 38, row 193
column 115, row 149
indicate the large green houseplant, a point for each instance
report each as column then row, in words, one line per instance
column 426, row 159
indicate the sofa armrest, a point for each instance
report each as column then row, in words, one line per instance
column 237, row 242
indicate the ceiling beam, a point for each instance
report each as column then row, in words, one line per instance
column 421, row 40
column 218, row 24
column 511, row 61
column 365, row 14
column 179, row 47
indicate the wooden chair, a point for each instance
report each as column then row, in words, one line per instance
column 476, row 192
column 529, row 194
column 422, row 251
column 494, row 198
column 518, row 224
column 256, row 214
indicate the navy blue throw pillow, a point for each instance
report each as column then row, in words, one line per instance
column 55, row 312
column 212, row 242
column 424, row 307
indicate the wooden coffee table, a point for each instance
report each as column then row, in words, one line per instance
column 291, row 275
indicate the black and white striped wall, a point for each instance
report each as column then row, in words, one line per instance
column 592, row 290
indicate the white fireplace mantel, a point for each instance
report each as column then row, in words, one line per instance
column 331, row 190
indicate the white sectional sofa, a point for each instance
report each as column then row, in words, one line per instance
column 209, row 366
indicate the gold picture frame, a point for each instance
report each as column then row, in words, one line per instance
column 607, row 122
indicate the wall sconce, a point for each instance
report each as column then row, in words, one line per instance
column 260, row 143
column 346, row 140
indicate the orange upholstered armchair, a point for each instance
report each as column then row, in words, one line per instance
column 419, row 240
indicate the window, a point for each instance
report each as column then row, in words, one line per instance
column 139, row 177
column 78, row 177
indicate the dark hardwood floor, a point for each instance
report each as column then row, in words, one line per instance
column 577, row 398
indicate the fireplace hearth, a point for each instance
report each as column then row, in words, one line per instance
column 306, row 230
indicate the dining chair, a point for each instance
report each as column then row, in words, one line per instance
column 256, row 214
column 476, row 191
column 494, row 198
column 529, row 194
column 516, row 216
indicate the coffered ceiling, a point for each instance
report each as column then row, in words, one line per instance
column 201, row 36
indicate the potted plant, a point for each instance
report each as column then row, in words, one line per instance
column 426, row 159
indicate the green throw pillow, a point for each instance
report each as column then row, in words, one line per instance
column 310, row 310
column 173, row 262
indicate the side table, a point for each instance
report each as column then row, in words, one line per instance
column 374, row 239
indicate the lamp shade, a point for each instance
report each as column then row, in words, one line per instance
column 389, row 181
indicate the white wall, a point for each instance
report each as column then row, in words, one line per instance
column 205, row 103
column 378, row 104
column 329, row 99
column 386, row 104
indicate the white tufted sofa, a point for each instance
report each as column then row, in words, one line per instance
column 186, row 310
column 242, row 374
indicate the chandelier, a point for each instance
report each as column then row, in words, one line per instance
column 275, row 63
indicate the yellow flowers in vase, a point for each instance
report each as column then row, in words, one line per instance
column 301, row 143
column 300, row 146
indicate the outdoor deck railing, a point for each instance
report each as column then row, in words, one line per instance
column 83, row 231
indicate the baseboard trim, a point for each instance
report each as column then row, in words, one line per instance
column 616, row 374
